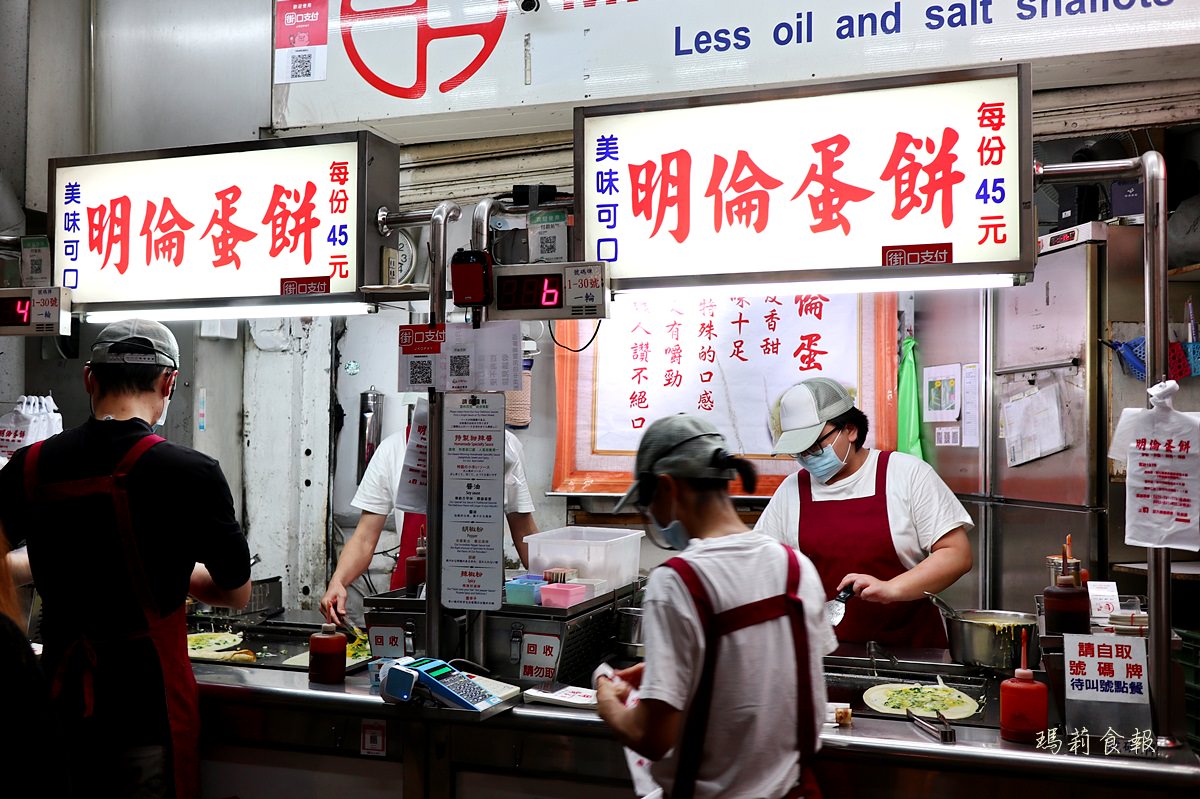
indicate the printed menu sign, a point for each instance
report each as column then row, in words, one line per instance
column 717, row 356
column 261, row 222
column 909, row 177
column 473, row 501
column 1103, row 668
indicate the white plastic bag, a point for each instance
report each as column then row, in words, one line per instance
column 31, row 420
column 53, row 417
column 1161, row 448
column 17, row 426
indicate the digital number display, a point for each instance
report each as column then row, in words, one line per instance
column 529, row 292
column 15, row 311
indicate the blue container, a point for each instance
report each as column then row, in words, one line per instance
column 524, row 592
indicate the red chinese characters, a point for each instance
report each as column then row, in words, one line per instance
column 165, row 234
column 745, row 198
column 226, row 234
column 657, row 189
column 108, row 230
column 939, row 173
column 827, row 205
column 290, row 215
column 807, row 355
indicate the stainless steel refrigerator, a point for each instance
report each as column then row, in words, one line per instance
column 1043, row 337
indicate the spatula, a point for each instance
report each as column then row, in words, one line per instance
column 835, row 609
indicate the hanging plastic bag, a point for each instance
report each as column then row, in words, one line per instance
column 1161, row 448
column 31, row 420
column 908, row 417
column 53, row 417
column 18, row 426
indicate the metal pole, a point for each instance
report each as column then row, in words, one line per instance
column 1151, row 169
column 444, row 214
column 1158, row 576
column 481, row 220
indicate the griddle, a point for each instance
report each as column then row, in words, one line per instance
column 273, row 637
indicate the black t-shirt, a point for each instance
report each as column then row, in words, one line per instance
column 182, row 514
column 27, row 733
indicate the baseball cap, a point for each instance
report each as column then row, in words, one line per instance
column 805, row 408
column 151, row 343
column 681, row 446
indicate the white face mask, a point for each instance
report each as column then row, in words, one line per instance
column 162, row 419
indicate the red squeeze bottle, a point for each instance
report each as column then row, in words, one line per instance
column 327, row 656
column 1023, row 702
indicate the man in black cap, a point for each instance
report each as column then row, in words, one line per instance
column 121, row 526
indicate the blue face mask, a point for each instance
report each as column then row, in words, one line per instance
column 825, row 464
column 674, row 534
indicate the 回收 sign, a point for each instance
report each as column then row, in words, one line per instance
column 928, row 175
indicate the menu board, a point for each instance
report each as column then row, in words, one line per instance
column 473, row 501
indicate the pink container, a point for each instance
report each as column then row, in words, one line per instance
column 563, row 595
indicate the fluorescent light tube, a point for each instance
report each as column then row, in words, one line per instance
column 869, row 285
column 185, row 314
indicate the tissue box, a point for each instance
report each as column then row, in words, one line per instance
column 563, row 595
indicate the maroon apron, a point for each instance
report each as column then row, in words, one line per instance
column 167, row 633
column 854, row 535
column 718, row 625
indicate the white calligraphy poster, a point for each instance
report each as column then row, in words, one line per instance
column 473, row 501
column 721, row 357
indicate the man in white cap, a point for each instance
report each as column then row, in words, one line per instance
column 121, row 526
column 880, row 523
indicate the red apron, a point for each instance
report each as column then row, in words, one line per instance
column 718, row 625
column 854, row 535
column 412, row 528
column 168, row 633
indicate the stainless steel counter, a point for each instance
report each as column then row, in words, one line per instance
column 545, row 739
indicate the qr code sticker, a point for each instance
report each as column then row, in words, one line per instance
column 460, row 365
column 547, row 245
column 420, row 373
column 301, row 64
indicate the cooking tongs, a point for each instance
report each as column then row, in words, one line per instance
column 941, row 730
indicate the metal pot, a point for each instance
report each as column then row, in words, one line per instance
column 992, row 638
column 629, row 626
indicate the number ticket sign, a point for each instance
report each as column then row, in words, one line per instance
column 1106, row 668
column 279, row 219
column 473, row 501
column 891, row 177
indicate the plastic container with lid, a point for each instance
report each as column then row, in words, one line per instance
column 598, row 553
column 327, row 656
column 1024, row 702
column 1068, row 607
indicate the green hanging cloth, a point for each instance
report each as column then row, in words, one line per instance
column 908, row 423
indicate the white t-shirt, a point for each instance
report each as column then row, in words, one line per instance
column 750, row 750
column 377, row 491
column 921, row 508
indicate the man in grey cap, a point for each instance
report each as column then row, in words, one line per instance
column 121, row 526
column 880, row 524
column 734, row 602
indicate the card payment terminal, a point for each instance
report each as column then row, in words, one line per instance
column 450, row 686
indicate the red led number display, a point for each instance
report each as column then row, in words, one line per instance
column 528, row 292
